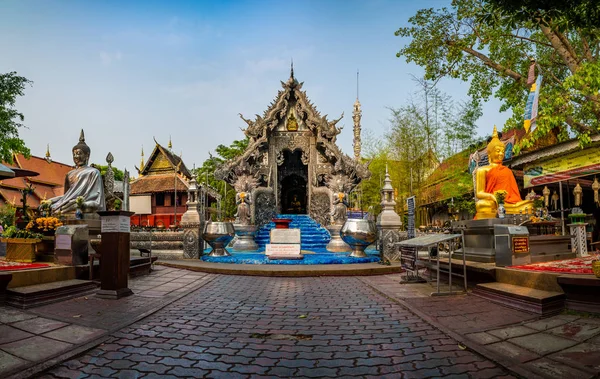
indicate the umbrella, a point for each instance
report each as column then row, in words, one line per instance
column 15, row 172
column 6, row 172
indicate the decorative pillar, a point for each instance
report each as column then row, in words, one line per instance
column 356, row 116
column 388, row 221
column 191, row 224
column 578, row 239
column 114, row 270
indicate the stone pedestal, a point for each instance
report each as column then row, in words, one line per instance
column 245, row 237
column 71, row 245
column 578, row 239
column 479, row 238
column 114, row 267
column 336, row 244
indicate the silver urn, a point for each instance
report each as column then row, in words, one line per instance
column 359, row 233
column 218, row 235
column 245, row 237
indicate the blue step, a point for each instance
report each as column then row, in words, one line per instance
column 312, row 234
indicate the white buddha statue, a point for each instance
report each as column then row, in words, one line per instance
column 83, row 181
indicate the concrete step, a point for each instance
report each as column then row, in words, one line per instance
column 523, row 298
column 42, row 294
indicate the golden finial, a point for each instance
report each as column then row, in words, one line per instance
column 48, row 158
column 495, row 132
column 170, row 145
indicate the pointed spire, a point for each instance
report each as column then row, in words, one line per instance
column 356, row 117
column 48, row 158
column 170, row 145
column 292, row 69
column 81, row 137
column 142, row 160
column 495, row 132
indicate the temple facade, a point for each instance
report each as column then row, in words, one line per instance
column 294, row 158
column 159, row 194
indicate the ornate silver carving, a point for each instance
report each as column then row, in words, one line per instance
column 264, row 206
column 320, row 205
column 191, row 243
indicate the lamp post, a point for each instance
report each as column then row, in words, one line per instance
column 175, row 195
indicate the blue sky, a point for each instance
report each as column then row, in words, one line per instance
column 128, row 71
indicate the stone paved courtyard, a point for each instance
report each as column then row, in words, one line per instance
column 238, row 326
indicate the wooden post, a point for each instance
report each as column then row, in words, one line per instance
column 114, row 266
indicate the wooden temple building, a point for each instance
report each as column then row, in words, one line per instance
column 159, row 195
column 49, row 183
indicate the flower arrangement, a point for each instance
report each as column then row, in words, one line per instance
column 79, row 202
column 596, row 264
column 46, row 207
column 500, row 196
column 538, row 202
column 44, row 224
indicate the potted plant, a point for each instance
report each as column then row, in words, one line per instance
column 21, row 245
column 45, row 226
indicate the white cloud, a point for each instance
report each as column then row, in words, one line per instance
column 108, row 58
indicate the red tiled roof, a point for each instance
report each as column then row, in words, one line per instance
column 157, row 183
column 14, row 196
column 52, row 173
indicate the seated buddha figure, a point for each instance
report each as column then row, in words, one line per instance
column 496, row 177
column 83, row 181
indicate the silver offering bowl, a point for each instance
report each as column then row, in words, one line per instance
column 218, row 235
column 359, row 234
column 245, row 237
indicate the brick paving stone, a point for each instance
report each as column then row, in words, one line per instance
column 177, row 362
column 151, row 367
column 355, row 332
column 128, row 374
column 183, row 372
column 319, row 372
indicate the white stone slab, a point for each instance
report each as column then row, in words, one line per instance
column 285, row 236
column 292, row 250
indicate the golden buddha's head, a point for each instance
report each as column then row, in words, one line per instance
column 81, row 152
column 495, row 148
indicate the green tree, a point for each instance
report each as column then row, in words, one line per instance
column 476, row 43
column 119, row 175
column 206, row 173
column 11, row 87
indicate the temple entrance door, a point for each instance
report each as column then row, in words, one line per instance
column 293, row 179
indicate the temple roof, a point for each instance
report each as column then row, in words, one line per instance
column 48, row 184
column 163, row 161
column 157, row 183
column 278, row 110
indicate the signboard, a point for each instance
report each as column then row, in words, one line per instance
column 579, row 163
column 62, row 242
column 281, row 249
column 410, row 204
column 141, row 205
column 285, row 236
column 115, row 224
column 520, row 245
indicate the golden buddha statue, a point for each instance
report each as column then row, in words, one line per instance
column 496, row 177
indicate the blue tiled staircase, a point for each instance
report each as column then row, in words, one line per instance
column 313, row 235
